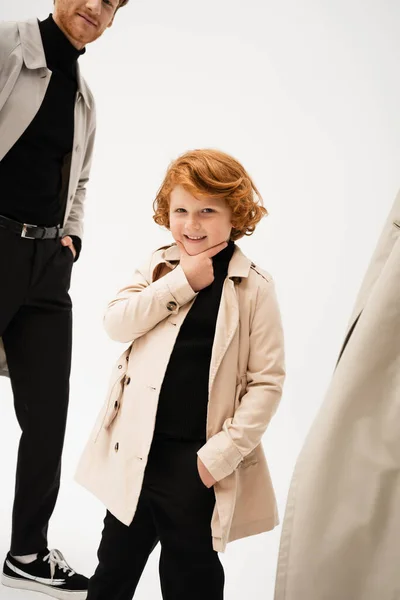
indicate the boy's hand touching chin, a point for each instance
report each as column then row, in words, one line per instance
column 205, row 474
column 198, row 268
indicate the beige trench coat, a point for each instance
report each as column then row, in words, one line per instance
column 24, row 78
column 341, row 532
column 246, row 378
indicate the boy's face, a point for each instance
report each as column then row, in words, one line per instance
column 83, row 21
column 198, row 224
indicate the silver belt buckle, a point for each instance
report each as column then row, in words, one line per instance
column 24, row 231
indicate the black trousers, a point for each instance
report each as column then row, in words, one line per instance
column 36, row 327
column 175, row 509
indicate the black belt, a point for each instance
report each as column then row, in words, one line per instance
column 31, row 232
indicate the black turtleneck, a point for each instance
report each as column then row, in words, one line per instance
column 31, row 172
column 182, row 406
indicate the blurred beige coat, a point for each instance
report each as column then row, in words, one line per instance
column 246, row 378
column 341, row 532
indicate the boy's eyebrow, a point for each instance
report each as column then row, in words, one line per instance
column 200, row 207
column 203, row 201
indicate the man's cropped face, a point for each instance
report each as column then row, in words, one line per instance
column 83, row 21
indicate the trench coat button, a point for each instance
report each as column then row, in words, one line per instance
column 127, row 381
column 119, row 366
column 172, row 306
column 116, row 447
column 237, row 279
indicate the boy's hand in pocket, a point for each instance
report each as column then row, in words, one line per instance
column 205, row 474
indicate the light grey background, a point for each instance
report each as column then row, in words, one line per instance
column 306, row 95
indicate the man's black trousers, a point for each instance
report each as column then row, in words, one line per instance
column 36, row 327
column 175, row 509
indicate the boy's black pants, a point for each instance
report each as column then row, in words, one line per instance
column 36, row 325
column 175, row 509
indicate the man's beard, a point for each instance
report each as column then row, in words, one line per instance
column 70, row 26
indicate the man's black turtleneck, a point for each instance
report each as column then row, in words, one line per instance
column 182, row 405
column 31, row 172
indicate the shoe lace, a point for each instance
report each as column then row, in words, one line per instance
column 56, row 559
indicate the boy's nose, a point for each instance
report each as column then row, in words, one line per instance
column 193, row 223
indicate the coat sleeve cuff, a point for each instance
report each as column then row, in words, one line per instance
column 174, row 288
column 220, row 455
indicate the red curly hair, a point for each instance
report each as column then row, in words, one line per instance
column 213, row 173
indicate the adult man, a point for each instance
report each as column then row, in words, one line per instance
column 47, row 126
column 340, row 537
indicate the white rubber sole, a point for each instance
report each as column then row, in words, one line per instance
column 33, row 586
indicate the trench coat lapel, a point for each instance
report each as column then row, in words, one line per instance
column 16, row 116
column 385, row 245
column 228, row 314
column 227, row 324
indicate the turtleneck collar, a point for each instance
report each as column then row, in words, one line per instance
column 60, row 53
column 222, row 258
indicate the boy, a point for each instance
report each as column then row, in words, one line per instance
column 176, row 453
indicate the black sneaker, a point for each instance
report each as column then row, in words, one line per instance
column 49, row 574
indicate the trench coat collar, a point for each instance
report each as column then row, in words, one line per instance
column 34, row 56
column 239, row 265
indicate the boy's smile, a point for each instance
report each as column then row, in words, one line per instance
column 199, row 223
column 194, row 239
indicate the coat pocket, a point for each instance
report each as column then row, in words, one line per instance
column 240, row 390
column 249, row 460
column 112, row 408
column 114, row 404
column 347, row 339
